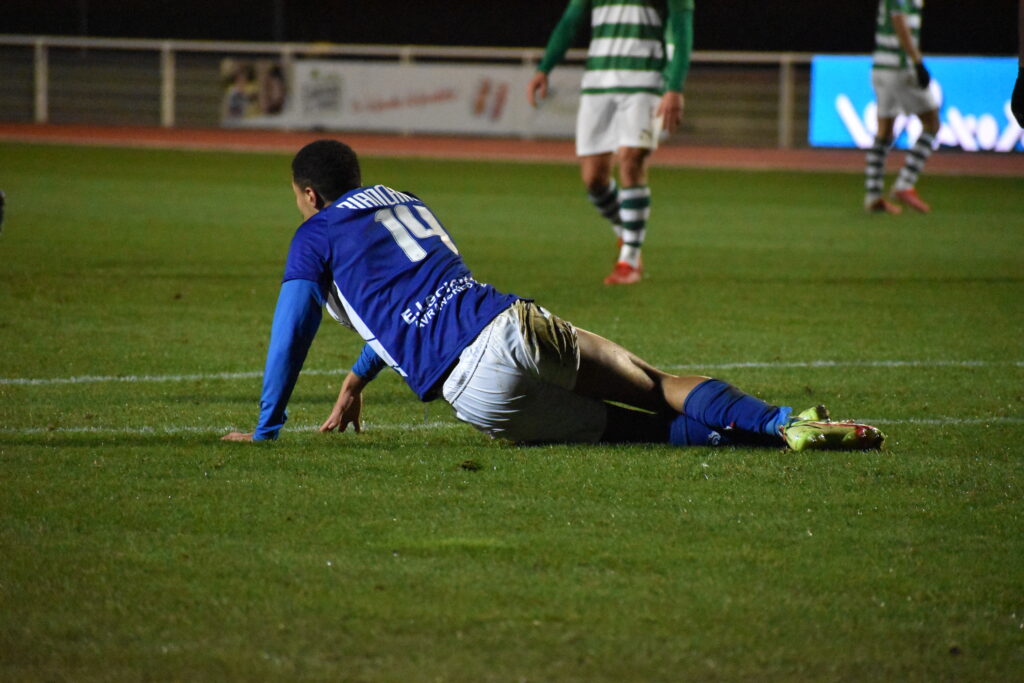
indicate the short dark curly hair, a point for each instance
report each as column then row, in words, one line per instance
column 329, row 167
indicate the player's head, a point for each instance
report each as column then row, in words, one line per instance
column 322, row 171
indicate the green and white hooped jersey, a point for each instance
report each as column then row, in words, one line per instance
column 888, row 53
column 627, row 49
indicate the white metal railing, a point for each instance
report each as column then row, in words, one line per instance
column 168, row 49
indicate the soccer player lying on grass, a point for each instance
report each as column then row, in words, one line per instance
column 382, row 263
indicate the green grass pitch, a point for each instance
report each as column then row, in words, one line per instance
column 137, row 288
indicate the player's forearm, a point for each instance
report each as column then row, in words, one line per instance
column 354, row 384
column 899, row 24
column 680, row 33
column 563, row 35
column 296, row 320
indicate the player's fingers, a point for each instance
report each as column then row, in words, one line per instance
column 673, row 117
column 237, row 436
column 536, row 90
column 330, row 424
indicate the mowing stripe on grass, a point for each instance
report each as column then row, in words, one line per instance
column 89, row 379
column 441, row 424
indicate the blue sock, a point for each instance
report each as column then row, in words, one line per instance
column 719, row 406
column 685, row 431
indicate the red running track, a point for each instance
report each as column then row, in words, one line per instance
column 450, row 147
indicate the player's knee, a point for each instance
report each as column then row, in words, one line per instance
column 633, row 170
column 632, row 176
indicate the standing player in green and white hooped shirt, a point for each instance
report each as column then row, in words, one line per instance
column 901, row 81
column 632, row 88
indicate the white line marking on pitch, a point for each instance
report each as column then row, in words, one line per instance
column 90, row 379
column 440, row 424
column 854, row 364
column 196, row 429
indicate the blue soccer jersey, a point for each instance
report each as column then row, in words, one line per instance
column 388, row 268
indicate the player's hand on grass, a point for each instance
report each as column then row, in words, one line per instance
column 237, row 436
column 348, row 407
column 670, row 110
column 345, row 412
column 537, row 89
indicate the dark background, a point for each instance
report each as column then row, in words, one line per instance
column 950, row 26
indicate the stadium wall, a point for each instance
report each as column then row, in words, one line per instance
column 733, row 99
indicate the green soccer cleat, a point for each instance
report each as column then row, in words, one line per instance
column 813, row 429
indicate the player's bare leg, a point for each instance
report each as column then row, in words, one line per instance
column 610, row 372
column 874, row 173
column 633, row 165
column 596, row 171
column 695, row 410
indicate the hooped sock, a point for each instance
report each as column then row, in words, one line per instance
column 607, row 203
column 917, row 156
column 874, row 170
column 634, row 211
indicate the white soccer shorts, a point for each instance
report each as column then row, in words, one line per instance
column 515, row 381
column 897, row 93
column 604, row 123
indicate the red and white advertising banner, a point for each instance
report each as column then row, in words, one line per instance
column 417, row 98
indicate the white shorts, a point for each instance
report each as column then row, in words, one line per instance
column 606, row 122
column 515, row 381
column 897, row 93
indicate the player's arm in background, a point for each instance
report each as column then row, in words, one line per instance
column 1017, row 99
column 349, row 405
column 679, row 32
column 296, row 321
column 561, row 39
column 906, row 38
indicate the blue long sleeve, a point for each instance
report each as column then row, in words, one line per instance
column 369, row 363
column 296, row 321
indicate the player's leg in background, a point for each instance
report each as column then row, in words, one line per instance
column 904, row 189
column 636, row 138
column 602, row 190
column 887, row 85
column 874, row 169
column 595, row 146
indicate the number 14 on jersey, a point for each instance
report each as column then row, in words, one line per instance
column 407, row 228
